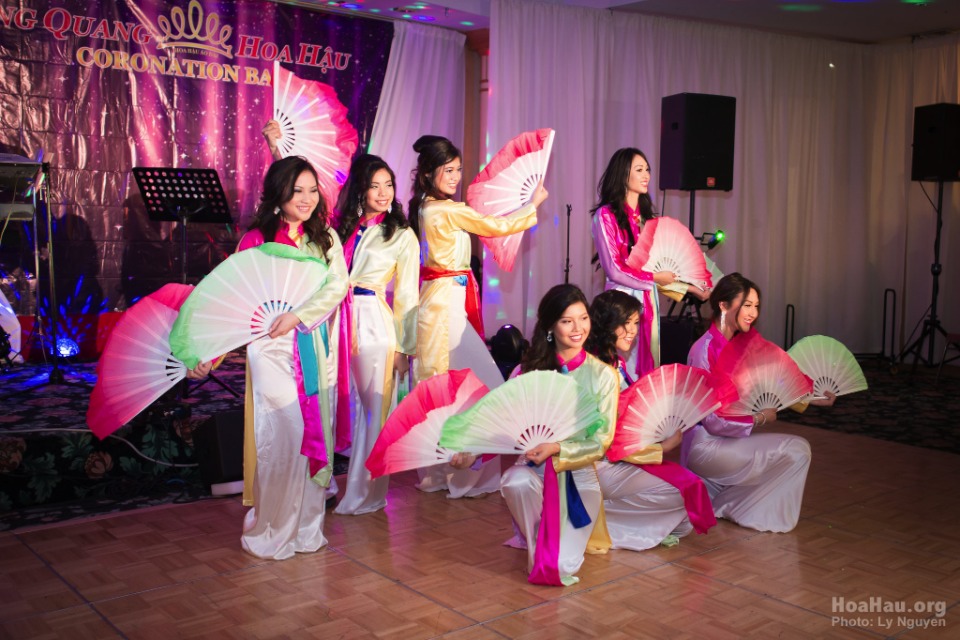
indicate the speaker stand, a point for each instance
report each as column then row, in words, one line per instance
column 931, row 324
column 693, row 208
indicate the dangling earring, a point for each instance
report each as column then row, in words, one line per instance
column 276, row 211
column 723, row 318
column 360, row 209
column 549, row 336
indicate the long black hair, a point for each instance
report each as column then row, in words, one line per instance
column 542, row 354
column 608, row 311
column 354, row 194
column 612, row 190
column 728, row 288
column 278, row 187
column 434, row 152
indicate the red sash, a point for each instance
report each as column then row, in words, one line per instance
column 473, row 293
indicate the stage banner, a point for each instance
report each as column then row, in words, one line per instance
column 101, row 87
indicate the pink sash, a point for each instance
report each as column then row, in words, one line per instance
column 695, row 496
column 546, row 557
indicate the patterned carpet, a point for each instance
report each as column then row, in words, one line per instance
column 53, row 469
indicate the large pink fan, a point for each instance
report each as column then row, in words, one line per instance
column 313, row 124
column 666, row 245
column 670, row 398
column 136, row 366
column 765, row 376
column 507, row 183
column 409, row 438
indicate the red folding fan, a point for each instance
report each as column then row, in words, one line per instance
column 765, row 376
column 507, row 183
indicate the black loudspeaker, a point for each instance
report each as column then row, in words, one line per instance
column 936, row 143
column 218, row 443
column 677, row 335
column 696, row 142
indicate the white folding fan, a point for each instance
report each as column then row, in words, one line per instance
column 410, row 435
column 313, row 124
column 136, row 366
column 238, row 301
column 670, row 398
column 763, row 374
column 532, row 409
column 507, row 183
column 829, row 364
column 666, row 245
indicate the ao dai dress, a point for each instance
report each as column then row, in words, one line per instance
column 378, row 332
column 613, row 249
column 446, row 338
column 287, row 503
column 522, row 486
column 754, row 479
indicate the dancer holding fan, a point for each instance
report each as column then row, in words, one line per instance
column 755, row 479
column 643, row 494
column 449, row 326
column 376, row 341
column 543, row 496
column 623, row 208
column 291, row 375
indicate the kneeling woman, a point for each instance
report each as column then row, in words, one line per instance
column 563, row 325
column 755, row 479
column 643, row 507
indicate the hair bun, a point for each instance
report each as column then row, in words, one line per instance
column 427, row 141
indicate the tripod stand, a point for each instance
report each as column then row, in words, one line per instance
column 931, row 324
column 36, row 176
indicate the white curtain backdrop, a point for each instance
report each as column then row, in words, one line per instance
column 822, row 214
column 423, row 92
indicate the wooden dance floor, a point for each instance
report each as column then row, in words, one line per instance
column 880, row 531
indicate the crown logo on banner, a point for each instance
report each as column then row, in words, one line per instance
column 190, row 31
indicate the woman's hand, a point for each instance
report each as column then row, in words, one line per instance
column 539, row 195
column 825, row 402
column 672, row 442
column 765, row 417
column 701, row 294
column 284, row 324
column 462, row 460
column 401, row 364
column 271, row 132
column 200, row 371
column 542, row 451
column 663, row 278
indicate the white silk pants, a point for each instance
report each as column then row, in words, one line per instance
column 376, row 339
column 467, row 351
column 641, row 509
column 289, row 507
column 522, row 490
column 756, row 481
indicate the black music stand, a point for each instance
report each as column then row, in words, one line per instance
column 173, row 194
column 183, row 195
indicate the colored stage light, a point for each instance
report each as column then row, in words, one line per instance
column 67, row 348
column 712, row 239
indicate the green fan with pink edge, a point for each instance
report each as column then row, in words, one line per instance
column 237, row 302
column 830, row 365
column 408, row 439
column 532, row 409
